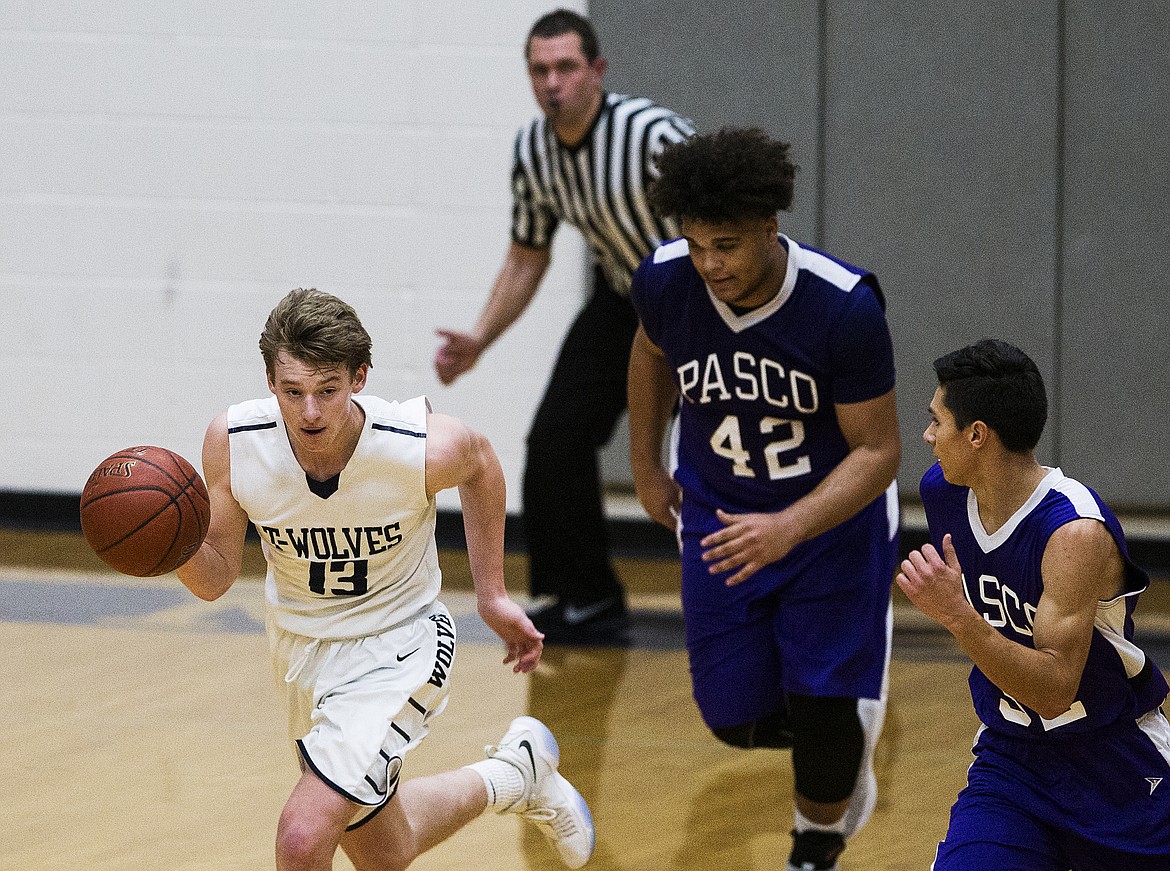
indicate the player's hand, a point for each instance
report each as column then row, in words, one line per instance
column 933, row 582
column 747, row 542
column 661, row 496
column 508, row 620
column 458, row 353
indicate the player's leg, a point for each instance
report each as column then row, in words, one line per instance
column 427, row 810
column 834, row 630
column 424, row 812
column 564, row 520
column 353, row 753
column 770, row 732
column 353, row 720
column 988, row 830
column 1124, row 767
column 311, row 825
column 735, row 667
column 833, row 740
column 519, row 776
column 542, row 796
column 833, row 771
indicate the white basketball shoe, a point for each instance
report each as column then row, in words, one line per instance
column 549, row 801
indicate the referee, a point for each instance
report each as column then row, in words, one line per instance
column 586, row 160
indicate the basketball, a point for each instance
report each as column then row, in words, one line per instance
column 145, row 511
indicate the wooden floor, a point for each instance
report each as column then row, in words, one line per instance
column 141, row 731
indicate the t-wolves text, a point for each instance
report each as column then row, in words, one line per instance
column 444, row 648
column 331, row 543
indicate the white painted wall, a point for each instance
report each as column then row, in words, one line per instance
column 169, row 170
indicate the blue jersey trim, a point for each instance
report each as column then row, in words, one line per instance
column 409, row 432
column 250, row 427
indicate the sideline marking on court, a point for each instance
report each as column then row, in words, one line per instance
column 53, row 597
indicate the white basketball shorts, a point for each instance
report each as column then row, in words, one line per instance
column 356, row 706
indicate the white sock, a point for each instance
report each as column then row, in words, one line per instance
column 801, row 823
column 504, row 782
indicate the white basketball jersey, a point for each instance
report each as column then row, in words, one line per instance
column 359, row 559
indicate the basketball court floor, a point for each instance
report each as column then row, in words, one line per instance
column 141, row 731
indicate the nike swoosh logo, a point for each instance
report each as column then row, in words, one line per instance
column 575, row 615
column 403, row 656
column 532, row 759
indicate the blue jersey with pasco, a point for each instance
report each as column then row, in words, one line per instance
column 758, row 425
column 1002, row 580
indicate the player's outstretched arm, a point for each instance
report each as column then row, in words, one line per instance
column 514, row 288
column 457, row 456
column 651, row 396
column 216, row 565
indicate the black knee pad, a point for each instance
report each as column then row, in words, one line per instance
column 770, row 732
column 828, row 744
column 735, row 736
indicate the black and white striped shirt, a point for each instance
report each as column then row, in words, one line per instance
column 599, row 186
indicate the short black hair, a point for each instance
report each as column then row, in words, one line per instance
column 564, row 21
column 724, row 177
column 997, row 383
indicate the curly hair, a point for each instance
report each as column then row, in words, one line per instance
column 724, row 177
column 315, row 328
column 997, row 383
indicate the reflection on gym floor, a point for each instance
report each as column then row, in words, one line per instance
column 142, row 732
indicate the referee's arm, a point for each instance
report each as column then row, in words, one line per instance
column 516, row 284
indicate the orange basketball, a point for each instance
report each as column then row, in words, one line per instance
column 145, row 511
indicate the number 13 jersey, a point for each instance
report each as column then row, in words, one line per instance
column 348, row 561
column 757, row 424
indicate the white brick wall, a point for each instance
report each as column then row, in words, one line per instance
column 169, row 170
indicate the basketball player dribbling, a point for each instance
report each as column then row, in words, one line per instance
column 341, row 489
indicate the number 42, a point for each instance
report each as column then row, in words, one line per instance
column 727, row 442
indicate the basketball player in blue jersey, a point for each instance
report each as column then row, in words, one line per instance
column 1028, row 569
column 779, row 361
column 341, row 489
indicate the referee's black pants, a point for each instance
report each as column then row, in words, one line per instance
column 564, row 518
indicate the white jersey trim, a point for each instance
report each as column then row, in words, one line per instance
column 828, row 269
column 1080, row 497
column 672, row 251
column 798, row 259
column 1110, row 622
column 990, row 541
column 738, row 323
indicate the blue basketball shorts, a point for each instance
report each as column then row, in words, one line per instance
column 816, row 622
column 1094, row 801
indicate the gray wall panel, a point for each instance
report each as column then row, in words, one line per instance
column 1004, row 170
column 1115, row 389
column 756, row 68
column 940, row 176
